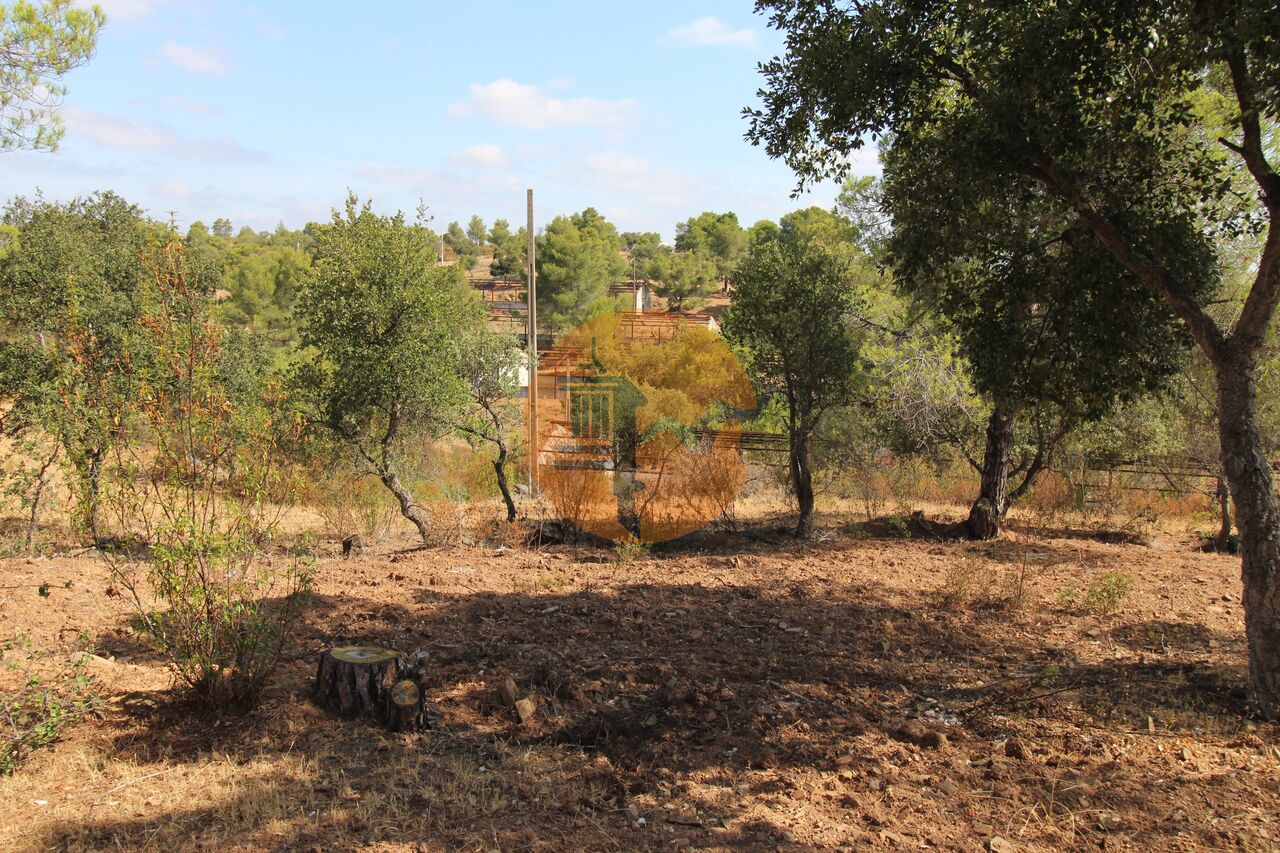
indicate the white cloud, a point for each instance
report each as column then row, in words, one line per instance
column 482, row 156
column 636, row 177
column 195, row 59
column 174, row 189
column 527, row 106
column 115, row 132
column 133, row 135
column 710, row 30
column 185, row 105
column 265, row 26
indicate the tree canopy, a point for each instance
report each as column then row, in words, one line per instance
column 39, row 43
column 382, row 320
column 1107, row 107
column 578, row 258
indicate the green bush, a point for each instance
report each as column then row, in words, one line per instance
column 40, row 697
column 1107, row 592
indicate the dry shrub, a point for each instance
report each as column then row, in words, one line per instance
column 448, row 521
column 962, row 582
column 1048, row 500
column 206, row 492
column 350, row 502
column 973, row 582
column 507, row 534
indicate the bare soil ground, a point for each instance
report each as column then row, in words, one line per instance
column 742, row 693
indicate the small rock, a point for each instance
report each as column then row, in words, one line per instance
column 947, row 787
column 844, row 760
column 996, row 844
column 1016, row 748
column 525, row 709
column 1108, row 823
column 507, row 692
column 1184, row 754
column 1093, row 633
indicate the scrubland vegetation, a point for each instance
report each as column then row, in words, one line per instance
column 1002, row 420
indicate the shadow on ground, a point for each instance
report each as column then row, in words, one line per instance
column 707, row 704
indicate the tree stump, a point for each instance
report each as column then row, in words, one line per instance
column 356, row 681
column 406, row 709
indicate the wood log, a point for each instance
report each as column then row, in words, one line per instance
column 406, row 709
column 356, row 681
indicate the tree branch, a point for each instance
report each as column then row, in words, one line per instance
column 1149, row 271
column 1260, row 304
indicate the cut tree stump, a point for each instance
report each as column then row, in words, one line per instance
column 406, row 707
column 356, row 681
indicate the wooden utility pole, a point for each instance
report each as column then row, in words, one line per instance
column 532, row 293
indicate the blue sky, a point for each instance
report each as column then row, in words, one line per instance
column 269, row 112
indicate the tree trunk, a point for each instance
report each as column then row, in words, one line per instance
column 42, row 479
column 500, row 468
column 367, row 681
column 408, row 508
column 1249, row 476
column 1222, row 542
column 988, row 510
column 92, row 492
column 801, row 479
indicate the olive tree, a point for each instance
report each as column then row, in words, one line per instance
column 793, row 319
column 69, row 297
column 380, row 320
column 490, row 364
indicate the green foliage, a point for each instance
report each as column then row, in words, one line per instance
column 793, row 321
column 1107, row 592
column 40, row 696
column 382, row 324
column 792, row 313
column 203, row 482
column 490, row 363
column 644, row 247
column 682, row 278
column 463, row 246
column 499, row 233
column 718, row 236
column 476, row 231
column 69, row 298
column 509, row 250
column 578, row 259
column 39, row 43
column 1043, row 313
column 815, row 225
column 263, row 283
column 860, row 202
column 763, row 231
